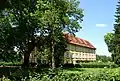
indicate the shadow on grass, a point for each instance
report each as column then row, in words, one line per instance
column 6, row 71
column 17, row 73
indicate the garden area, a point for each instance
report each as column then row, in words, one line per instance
column 71, row 74
column 90, row 71
column 34, row 44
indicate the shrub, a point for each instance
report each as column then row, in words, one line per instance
column 10, row 64
column 4, row 79
column 91, row 65
column 98, row 65
column 61, row 75
column 81, row 76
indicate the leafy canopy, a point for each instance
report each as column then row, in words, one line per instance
column 25, row 20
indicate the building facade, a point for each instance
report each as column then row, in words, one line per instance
column 78, row 50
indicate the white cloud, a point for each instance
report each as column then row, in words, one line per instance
column 101, row 25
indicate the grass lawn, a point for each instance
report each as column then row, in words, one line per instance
column 70, row 74
column 94, row 74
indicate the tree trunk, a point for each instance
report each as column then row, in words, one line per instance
column 4, row 4
column 26, row 59
column 53, row 56
column 30, row 48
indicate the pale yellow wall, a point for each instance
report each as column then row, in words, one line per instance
column 79, row 53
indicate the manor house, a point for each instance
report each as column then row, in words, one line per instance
column 78, row 50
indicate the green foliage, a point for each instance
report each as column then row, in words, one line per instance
column 113, row 39
column 103, row 58
column 116, row 54
column 10, row 64
column 97, row 75
column 75, row 74
column 4, row 79
column 60, row 49
column 58, row 16
column 92, row 65
column 7, row 52
column 26, row 19
column 99, row 65
column 109, row 41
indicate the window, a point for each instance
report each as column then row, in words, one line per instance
column 74, row 56
column 67, row 54
column 80, row 48
column 94, row 51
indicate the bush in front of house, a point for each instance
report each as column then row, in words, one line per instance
column 98, row 65
column 91, row 65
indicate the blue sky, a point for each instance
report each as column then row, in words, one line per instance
column 98, row 20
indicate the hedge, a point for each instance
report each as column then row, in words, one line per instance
column 91, row 65
column 98, row 65
column 10, row 64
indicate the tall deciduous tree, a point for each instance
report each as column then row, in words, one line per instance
column 23, row 26
column 7, row 52
column 48, row 18
column 59, row 16
column 109, row 40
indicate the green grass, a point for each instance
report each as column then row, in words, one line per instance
column 71, row 74
column 89, row 71
column 106, row 72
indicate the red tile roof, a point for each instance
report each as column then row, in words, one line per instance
column 78, row 41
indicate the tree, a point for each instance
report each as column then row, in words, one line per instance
column 60, row 49
column 22, row 27
column 109, row 40
column 48, row 18
column 117, row 35
column 59, row 16
column 4, row 4
column 7, row 52
column 113, row 39
column 103, row 58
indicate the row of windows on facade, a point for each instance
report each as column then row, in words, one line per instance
column 80, row 59
column 93, row 57
column 80, row 55
column 80, row 49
